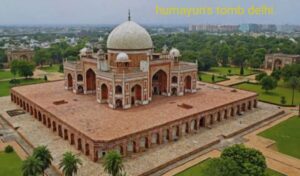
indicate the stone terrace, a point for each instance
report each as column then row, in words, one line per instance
column 101, row 123
column 137, row 164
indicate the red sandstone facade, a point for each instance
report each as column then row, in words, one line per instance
column 137, row 142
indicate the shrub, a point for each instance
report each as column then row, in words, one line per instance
column 8, row 149
column 260, row 76
column 283, row 100
column 61, row 68
column 14, row 81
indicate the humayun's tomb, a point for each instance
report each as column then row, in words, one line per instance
column 129, row 99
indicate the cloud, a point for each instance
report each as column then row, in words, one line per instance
column 143, row 11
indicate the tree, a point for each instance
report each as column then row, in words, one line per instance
column 229, row 71
column 113, row 163
column 44, row 155
column 32, row 166
column 242, row 70
column 61, row 68
column 223, row 54
column 41, row 56
column 257, row 57
column 250, row 161
column 240, row 56
column 293, row 82
column 276, row 74
column 222, row 167
column 213, row 78
column 8, row 149
column 69, row 164
column 14, row 66
column 268, row 83
column 260, row 76
column 25, row 68
column 290, row 70
column 283, row 100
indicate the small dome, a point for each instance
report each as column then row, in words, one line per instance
column 174, row 52
column 122, row 57
column 129, row 36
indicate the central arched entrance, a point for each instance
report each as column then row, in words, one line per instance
column 159, row 83
column 70, row 81
column 90, row 80
column 104, row 92
column 277, row 64
column 187, row 83
column 136, row 92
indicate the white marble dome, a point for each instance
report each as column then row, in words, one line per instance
column 122, row 57
column 129, row 36
column 174, row 52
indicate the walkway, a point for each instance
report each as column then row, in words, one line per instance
column 275, row 160
column 235, row 79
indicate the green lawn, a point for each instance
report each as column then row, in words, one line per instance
column 198, row 169
column 273, row 96
column 5, row 74
column 5, row 85
column 10, row 164
column 54, row 68
column 287, row 136
column 207, row 78
column 234, row 71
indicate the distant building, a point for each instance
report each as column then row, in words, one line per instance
column 278, row 60
column 214, row 28
column 19, row 54
column 257, row 28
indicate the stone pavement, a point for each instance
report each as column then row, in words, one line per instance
column 52, row 76
column 37, row 134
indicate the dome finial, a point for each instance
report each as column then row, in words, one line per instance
column 129, row 17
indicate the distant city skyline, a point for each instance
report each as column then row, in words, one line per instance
column 97, row 12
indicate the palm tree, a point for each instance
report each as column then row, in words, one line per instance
column 69, row 164
column 113, row 163
column 43, row 154
column 32, row 166
column 293, row 83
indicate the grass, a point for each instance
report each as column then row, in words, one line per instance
column 270, row 172
column 6, row 74
column 198, row 170
column 273, row 96
column 54, row 68
column 5, row 85
column 207, row 78
column 234, row 71
column 287, row 135
column 10, row 164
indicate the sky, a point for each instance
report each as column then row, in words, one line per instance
column 50, row 12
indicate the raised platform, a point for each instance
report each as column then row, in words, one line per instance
column 95, row 127
column 147, row 161
column 101, row 123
